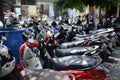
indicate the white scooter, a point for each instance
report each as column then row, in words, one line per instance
column 7, row 62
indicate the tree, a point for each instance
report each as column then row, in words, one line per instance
column 92, row 3
column 70, row 4
column 80, row 3
column 1, row 11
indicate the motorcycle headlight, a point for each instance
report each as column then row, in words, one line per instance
column 101, row 68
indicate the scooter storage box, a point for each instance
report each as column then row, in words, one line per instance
column 14, row 40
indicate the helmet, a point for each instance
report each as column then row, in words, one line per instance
column 28, row 33
column 31, row 40
column 31, row 43
column 3, row 50
column 7, row 68
column 7, row 65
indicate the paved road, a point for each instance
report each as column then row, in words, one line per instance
column 114, row 64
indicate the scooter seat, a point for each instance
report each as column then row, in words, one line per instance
column 96, row 43
column 74, row 62
column 71, row 44
column 74, row 51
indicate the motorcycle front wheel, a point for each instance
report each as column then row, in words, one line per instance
column 14, row 75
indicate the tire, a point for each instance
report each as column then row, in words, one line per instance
column 104, row 55
column 14, row 75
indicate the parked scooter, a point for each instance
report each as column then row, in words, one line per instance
column 116, row 25
column 71, row 48
column 29, row 54
column 103, row 46
column 8, row 69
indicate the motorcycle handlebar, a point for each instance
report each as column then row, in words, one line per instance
column 89, row 52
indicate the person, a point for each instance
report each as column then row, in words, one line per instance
column 72, row 34
column 79, row 21
column 13, row 19
column 107, row 23
column 22, row 22
column 53, row 27
column 62, row 35
column 100, row 23
column 1, row 24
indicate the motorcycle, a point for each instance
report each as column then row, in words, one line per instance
column 29, row 54
column 8, row 69
column 77, row 65
column 116, row 25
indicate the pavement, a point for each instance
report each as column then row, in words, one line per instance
column 43, row 74
column 113, row 63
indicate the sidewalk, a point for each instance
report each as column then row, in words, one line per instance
column 114, row 64
column 43, row 74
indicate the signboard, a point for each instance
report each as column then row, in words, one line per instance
column 17, row 11
column 27, row 10
column 24, row 10
column 32, row 10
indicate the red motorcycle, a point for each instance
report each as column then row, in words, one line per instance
column 82, row 67
column 90, row 74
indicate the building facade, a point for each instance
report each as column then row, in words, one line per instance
column 46, row 7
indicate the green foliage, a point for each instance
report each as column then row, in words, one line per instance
column 65, row 4
column 106, row 3
column 63, row 11
column 80, row 3
column 70, row 4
